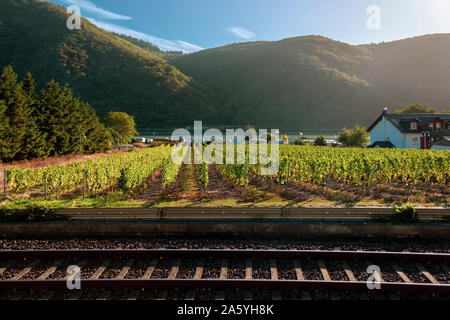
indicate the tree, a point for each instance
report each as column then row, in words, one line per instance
column 320, row 141
column 415, row 108
column 121, row 125
column 35, row 139
column 285, row 138
column 358, row 137
column 4, row 131
column 21, row 123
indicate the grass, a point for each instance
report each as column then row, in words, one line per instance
column 235, row 203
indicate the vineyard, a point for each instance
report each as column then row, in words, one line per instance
column 321, row 171
column 125, row 171
column 351, row 166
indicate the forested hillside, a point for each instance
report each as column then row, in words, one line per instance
column 103, row 69
column 299, row 83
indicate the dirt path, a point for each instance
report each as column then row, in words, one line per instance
column 218, row 188
column 153, row 192
column 186, row 187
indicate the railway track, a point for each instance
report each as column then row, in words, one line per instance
column 222, row 274
column 425, row 214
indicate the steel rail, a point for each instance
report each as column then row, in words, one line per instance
column 195, row 253
column 243, row 213
column 358, row 286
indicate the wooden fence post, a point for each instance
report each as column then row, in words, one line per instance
column 5, row 177
column 163, row 184
column 45, row 187
column 84, row 184
column 246, row 175
column 204, row 178
column 411, row 187
column 328, row 178
column 288, row 174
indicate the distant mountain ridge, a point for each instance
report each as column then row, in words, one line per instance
column 304, row 83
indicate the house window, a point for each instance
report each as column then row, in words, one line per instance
column 430, row 125
column 438, row 125
column 413, row 125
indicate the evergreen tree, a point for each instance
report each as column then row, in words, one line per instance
column 19, row 115
column 35, row 139
column 4, row 131
column 54, row 108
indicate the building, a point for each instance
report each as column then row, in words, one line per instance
column 409, row 131
column 441, row 144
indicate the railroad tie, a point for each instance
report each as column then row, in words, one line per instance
column 97, row 273
column 326, row 277
column 391, row 296
column 304, row 295
column 77, row 294
column 25, row 270
column 276, row 294
column 6, row 265
column 323, row 270
column 49, row 294
column 198, row 275
column 348, row 271
column 162, row 295
column 220, row 294
column 248, row 294
column 50, row 270
column 105, row 295
column 352, row 278
column 150, row 269
column 127, row 266
column 426, row 273
column 400, row 273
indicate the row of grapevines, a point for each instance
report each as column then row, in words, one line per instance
column 100, row 173
column 358, row 166
column 202, row 169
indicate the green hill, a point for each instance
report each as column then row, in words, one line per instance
column 298, row 83
column 103, row 69
column 315, row 82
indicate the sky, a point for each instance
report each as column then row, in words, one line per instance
column 192, row 25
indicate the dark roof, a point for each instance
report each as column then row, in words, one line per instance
column 445, row 141
column 402, row 121
column 382, row 144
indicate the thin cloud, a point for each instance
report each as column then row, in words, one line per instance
column 92, row 7
column 163, row 44
column 241, row 32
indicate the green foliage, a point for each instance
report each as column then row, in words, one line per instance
column 308, row 82
column 121, row 126
column 104, row 69
column 403, row 214
column 415, row 108
column 356, row 138
column 320, row 141
column 33, row 213
column 53, row 123
column 352, row 166
column 202, row 169
column 299, row 142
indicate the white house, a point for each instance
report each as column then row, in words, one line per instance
column 441, row 144
column 409, row 130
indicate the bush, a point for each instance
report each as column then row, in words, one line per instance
column 357, row 137
column 403, row 214
column 33, row 213
column 320, row 141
